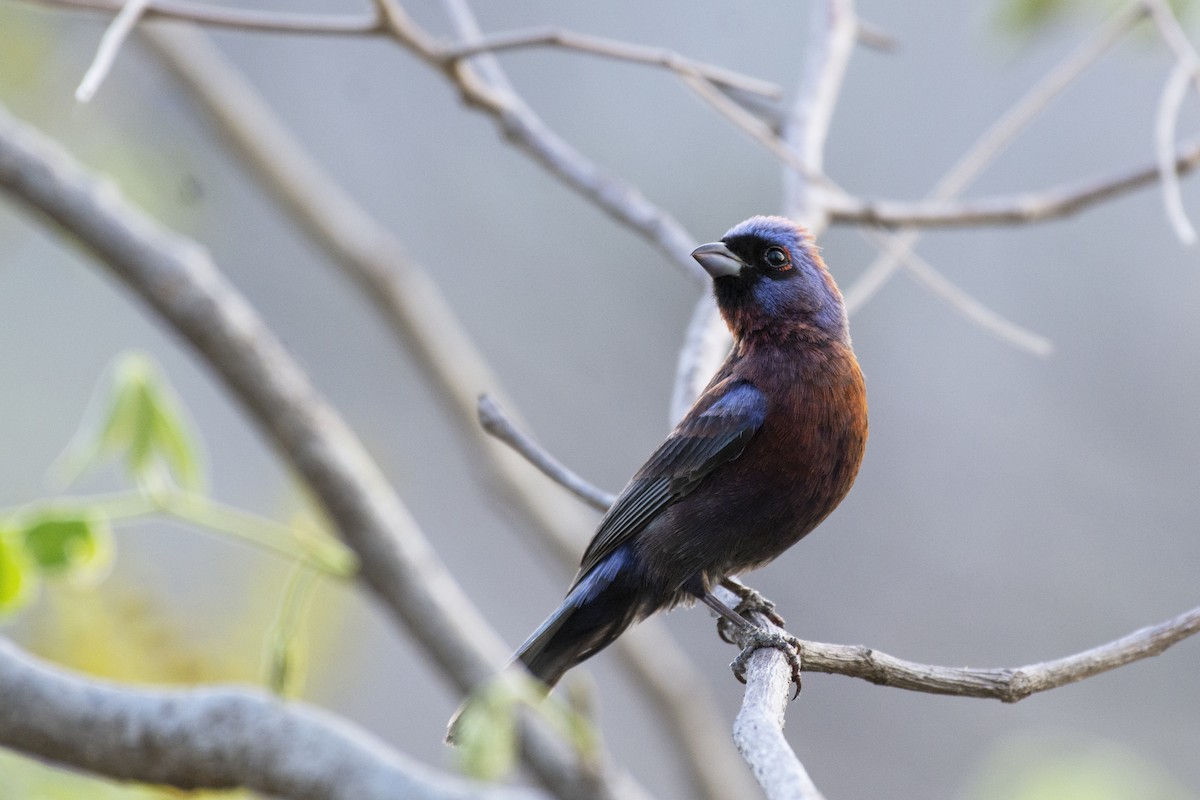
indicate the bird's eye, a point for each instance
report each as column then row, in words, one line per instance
column 777, row 258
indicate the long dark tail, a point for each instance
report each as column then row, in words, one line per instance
column 582, row 626
column 598, row 609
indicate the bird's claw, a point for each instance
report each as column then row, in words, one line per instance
column 758, row 638
column 753, row 601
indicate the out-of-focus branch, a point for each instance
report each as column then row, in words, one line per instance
column 923, row 272
column 1186, row 71
column 991, row 143
column 833, row 31
column 210, row 738
column 110, row 44
column 241, row 19
column 411, row 303
column 1173, row 94
column 482, row 86
column 1012, row 210
column 610, row 48
column 180, row 283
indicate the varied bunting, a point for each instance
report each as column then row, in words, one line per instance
column 766, row 453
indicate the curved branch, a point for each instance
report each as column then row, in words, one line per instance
column 178, row 280
column 609, row 48
column 211, row 738
column 1008, row 210
column 1008, row 684
column 498, row 424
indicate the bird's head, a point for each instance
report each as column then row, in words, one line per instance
column 768, row 275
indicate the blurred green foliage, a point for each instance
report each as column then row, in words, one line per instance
column 485, row 732
column 1023, row 17
column 64, row 546
column 1042, row 766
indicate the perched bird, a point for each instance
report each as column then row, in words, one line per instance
column 765, row 454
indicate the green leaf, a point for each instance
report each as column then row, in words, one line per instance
column 18, row 574
column 74, row 543
column 486, row 733
column 486, row 730
column 1023, row 16
column 145, row 425
column 287, row 647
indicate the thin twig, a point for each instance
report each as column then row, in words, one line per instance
column 987, row 319
column 875, row 37
column 179, row 281
column 110, row 44
column 241, row 19
column 1175, row 37
column 752, row 124
column 1041, row 206
column 210, row 738
column 992, row 142
column 1008, row 684
column 609, row 48
column 497, row 423
column 1173, row 94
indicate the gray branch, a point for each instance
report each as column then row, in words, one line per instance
column 178, row 280
column 1010, row 209
column 211, row 738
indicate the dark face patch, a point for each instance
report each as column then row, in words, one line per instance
column 783, row 279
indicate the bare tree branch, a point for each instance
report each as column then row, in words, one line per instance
column 110, row 44
column 610, row 48
column 705, row 344
column 210, row 738
column 1008, row 684
column 179, row 281
column 833, row 30
column 241, row 19
column 982, row 316
column 1187, row 70
column 993, row 141
column 758, row 727
column 1011, row 210
column 1173, row 94
column 497, row 423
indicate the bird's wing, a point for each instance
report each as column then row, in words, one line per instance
column 713, row 433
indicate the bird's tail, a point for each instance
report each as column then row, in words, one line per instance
column 598, row 609
column 595, row 612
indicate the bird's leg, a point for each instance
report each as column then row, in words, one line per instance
column 753, row 638
column 752, row 600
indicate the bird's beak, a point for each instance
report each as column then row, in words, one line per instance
column 718, row 260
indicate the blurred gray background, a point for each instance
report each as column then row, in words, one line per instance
column 1010, row 509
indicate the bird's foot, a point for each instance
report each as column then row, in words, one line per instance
column 753, row 601
column 756, row 638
